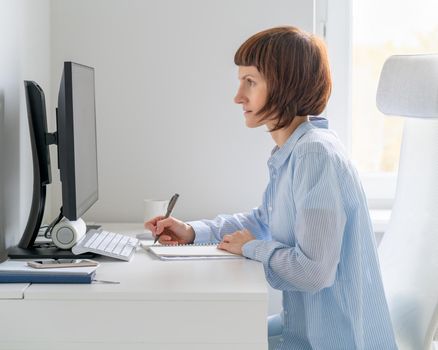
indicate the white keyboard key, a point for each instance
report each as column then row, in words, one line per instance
column 124, row 240
column 118, row 248
column 91, row 240
column 110, row 247
column 106, row 241
column 98, row 240
column 128, row 249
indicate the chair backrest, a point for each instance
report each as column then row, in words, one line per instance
column 408, row 252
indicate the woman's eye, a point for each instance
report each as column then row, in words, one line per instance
column 250, row 82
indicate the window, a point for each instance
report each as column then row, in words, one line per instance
column 360, row 35
column 381, row 29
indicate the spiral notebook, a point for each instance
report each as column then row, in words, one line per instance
column 190, row 252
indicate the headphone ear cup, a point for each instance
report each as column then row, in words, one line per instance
column 67, row 233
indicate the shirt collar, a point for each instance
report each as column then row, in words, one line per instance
column 280, row 154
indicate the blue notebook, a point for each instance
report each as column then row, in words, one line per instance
column 17, row 271
column 45, row 278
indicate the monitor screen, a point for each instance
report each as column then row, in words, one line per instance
column 77, row 145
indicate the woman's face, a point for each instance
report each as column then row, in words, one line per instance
column 252, row 94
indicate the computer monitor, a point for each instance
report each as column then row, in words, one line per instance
column 76, row 120
column 77, row 155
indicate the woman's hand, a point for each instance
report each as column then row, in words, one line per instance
column 235, row 241
column 170, row 230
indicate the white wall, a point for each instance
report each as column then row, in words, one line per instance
column 165, row 80
column 24, row 54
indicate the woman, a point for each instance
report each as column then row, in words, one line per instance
column 312, row 232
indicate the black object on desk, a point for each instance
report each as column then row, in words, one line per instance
column 45, row 253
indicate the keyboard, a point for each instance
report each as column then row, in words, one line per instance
column 114, row 245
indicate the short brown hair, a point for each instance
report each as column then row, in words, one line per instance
column 296, row 69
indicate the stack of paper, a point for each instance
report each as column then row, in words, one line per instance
column 17, row 271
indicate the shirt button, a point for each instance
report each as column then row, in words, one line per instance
column 285, row 312
column 270, row 208
column 282, row 339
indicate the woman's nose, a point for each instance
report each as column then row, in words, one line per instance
column 239, row 98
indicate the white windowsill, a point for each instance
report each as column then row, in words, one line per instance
column 380, row 219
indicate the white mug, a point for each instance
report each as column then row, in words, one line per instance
column 154, row 207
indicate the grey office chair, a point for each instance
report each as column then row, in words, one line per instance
column 408, row 252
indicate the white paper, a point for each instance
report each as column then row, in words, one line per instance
column 190, row 252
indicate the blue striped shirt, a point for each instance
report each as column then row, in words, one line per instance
column 315, row 239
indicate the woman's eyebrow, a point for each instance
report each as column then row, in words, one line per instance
column 246, row 76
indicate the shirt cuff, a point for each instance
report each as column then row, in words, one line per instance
column 249, row 249
column 203, row 232
column 260, row 250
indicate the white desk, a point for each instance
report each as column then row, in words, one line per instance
column 208, row 304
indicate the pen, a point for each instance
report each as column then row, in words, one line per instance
column 169, row 210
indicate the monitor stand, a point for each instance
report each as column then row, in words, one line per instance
column 45, row 253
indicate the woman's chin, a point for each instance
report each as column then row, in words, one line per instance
column 251, row 123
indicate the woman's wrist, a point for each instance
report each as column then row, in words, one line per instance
column 191, row 232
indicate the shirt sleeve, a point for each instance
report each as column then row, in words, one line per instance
column 311, row 263
column 214, row 230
